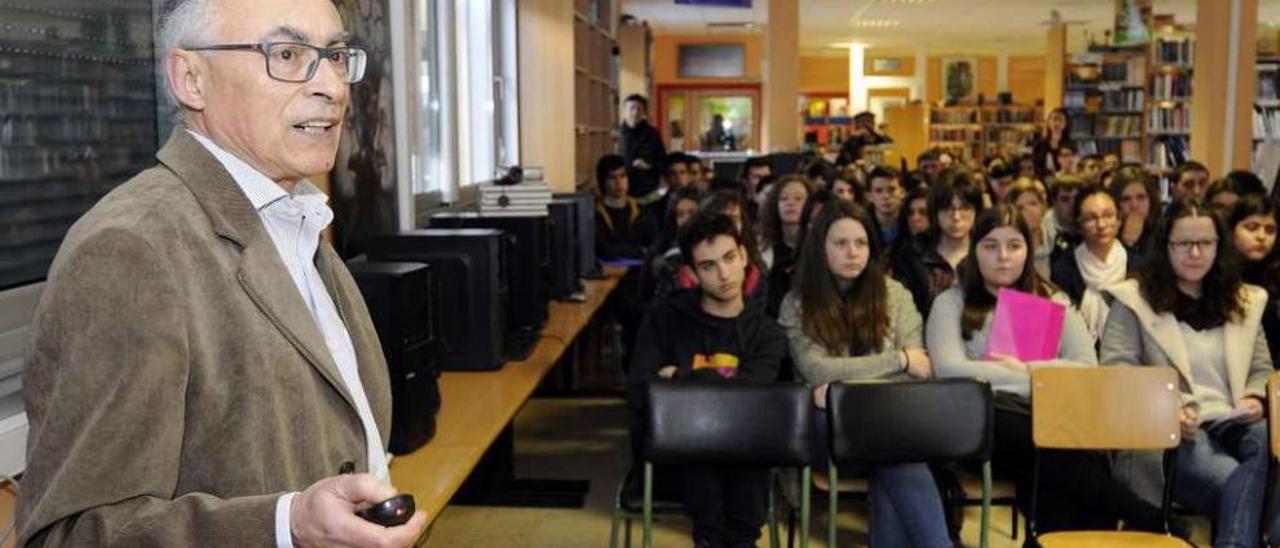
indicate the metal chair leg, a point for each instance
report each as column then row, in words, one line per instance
column 833, row 501
column 773, row 517
column 613, row 527
column 804, row 509
column 648, row 505
column 626, row 534
column 986, row 504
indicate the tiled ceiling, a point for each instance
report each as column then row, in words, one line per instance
column 939, row 25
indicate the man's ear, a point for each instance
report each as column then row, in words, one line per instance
column 185, row 71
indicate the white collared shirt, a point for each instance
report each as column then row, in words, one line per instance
column 294, row 222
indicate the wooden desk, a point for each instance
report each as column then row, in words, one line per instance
column 477, row 406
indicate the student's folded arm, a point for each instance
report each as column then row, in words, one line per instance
column 817, row 366
column 764, row 355
column 106, row 388
column 1260, row 369
column 1121, row 342
column 1076, row 347
column 946, row 348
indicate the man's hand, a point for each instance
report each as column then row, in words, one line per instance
column 667, row 372
column 1132, row 228
column 325, row 515
column 1251, row 407
column 1190, row 419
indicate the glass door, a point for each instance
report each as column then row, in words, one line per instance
column 709, row 119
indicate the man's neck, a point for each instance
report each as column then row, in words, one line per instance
column 887, row 222
column 791, row 235
column 615, row 202
column 723, row 309
column 195, row 127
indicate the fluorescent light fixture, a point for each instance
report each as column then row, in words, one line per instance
column 875, row 23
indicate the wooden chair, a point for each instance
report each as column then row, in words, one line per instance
column 1106, row 408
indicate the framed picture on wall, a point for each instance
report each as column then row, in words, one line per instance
column 959, row 79
column 712, row 60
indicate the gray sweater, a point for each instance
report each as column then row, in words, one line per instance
column 953, row 356
column 816, row 366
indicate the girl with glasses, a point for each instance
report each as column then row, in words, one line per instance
column 1096, row 262
column 1188, row 309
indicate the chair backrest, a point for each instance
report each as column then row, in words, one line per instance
column 1273, row 413
column 1111, row 407
column 949, row 419
column 693, row 421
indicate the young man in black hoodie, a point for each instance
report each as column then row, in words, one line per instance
column 709, row 332
column 641, row 146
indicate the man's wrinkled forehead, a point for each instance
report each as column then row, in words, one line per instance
column 307, row 21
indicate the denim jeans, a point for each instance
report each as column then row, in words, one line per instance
column 1222, row 472
column 906, row 509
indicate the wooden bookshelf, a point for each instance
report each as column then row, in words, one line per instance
column 595, row 84
column 973, row 133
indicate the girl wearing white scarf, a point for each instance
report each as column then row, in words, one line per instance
column 1101, row 259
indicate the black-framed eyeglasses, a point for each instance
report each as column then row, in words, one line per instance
column 297, row 62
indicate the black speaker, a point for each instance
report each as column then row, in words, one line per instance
column 588, row 266
column 564, row 247
column 398, row 296
column 470, row 268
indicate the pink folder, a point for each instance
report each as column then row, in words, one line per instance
column 1025, row 326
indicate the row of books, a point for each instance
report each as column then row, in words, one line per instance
column 1124, row 99
column 1169, row 151
column 953, row 134
column 959, row 116
column 1266, row 123
column 1268, row 83
column 1129, row 150
column 1010, row 116
column 1176, row 119
column 1129, row 72
column 1170, row 86
column 1006, row 135
column 1175, row 52
column 1085, row 127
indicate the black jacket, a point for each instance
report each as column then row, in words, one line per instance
column 851, row 150
column 641, row 142
column 676, row 330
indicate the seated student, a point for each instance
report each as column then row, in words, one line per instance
column 846, row 321
column 780, row 220
column 755, row 286
column 913, row 224
column 820, row 173
column 1189, row 180
column 928, row 267
column 1030, row 202
column 1066, row 155
column 709, row 333
column 1187, row 309
column 999, row 178
column 1076, row 490
column 1223, row 194
column 1091, row 169
column 622, row 229
column 664, row 260
column 1253, row 225
column 847, row 189
column 699, row 174
column 1097, row 262
column 886, row 200
column 1135, row 193
column 674, row 175
column 1110, row 161
column 1060, row 231
column 928, row 167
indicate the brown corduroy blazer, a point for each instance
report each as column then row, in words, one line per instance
column 176, row 382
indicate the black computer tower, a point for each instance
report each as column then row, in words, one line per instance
column 588, row 265
column 470, row 268
column 564, row 247
column 530, row 270
column 398, row 296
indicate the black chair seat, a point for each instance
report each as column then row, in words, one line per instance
column 667, row 496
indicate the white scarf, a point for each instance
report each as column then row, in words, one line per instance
column 1098, row 274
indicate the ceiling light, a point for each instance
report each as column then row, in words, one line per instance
column 875, row 23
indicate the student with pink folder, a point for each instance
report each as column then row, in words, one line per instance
column 997, row 324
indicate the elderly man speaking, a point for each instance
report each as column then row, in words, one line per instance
column 203, row 371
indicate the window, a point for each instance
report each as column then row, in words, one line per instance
column 464, row 95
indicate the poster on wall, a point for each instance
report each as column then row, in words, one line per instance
column 1133, row 22
column 960, row 79
column 363, row 182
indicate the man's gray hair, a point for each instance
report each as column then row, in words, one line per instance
column 183, row 23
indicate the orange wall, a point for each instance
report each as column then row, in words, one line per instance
column 666, row 50
column 821, row 74
column 1026, row 78
column 824, row 74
